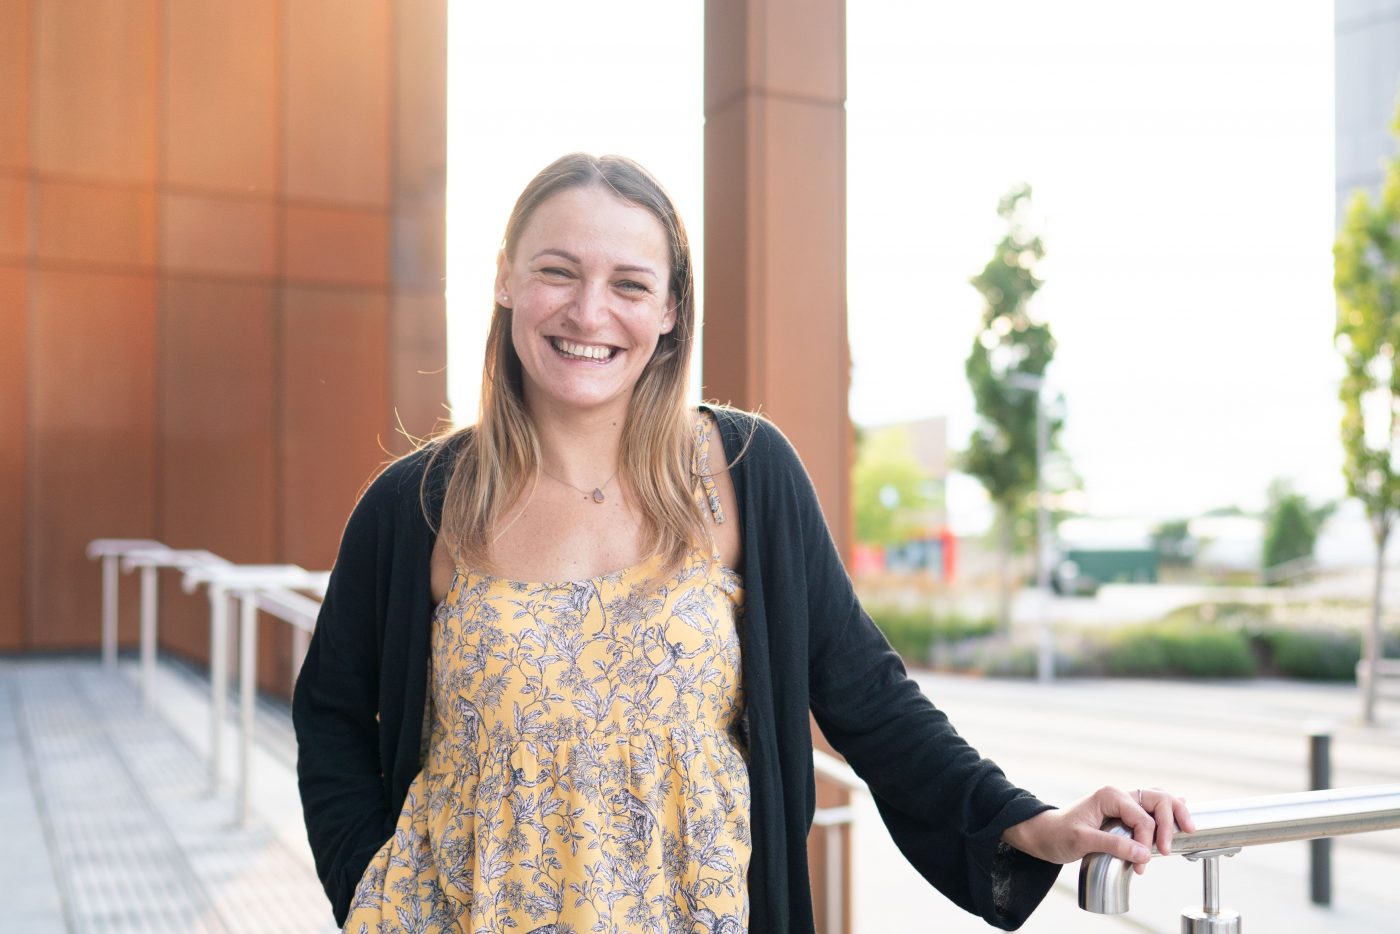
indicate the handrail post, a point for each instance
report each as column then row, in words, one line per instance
column 149, row 601
column 109, row 610
column 218, row 680
column 1210, row 918
column 248, row 686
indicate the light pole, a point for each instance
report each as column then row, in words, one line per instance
column 1045, row 667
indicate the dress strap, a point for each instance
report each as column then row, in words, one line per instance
column 704, row 428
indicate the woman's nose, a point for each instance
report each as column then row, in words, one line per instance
column 592, row 306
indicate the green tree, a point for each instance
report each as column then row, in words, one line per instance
column 1367, row 282
column 1174, row 544
column 893, row 493
column 1291, row 525
column 1001, row 453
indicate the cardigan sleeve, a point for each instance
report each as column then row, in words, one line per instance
column 335, row 710
column 945, row 806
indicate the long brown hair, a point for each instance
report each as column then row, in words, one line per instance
column 495, row 458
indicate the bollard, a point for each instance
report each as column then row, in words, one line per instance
column 1320, row 777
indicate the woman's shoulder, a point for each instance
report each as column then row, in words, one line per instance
column 403, row 479
column 751, row 441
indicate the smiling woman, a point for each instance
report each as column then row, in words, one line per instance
column 562, row 677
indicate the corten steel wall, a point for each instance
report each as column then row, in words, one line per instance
column 775, row 254
column 221, row 262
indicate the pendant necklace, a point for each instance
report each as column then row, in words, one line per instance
column 596, row 494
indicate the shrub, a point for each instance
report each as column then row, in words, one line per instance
column 1173, row 648
column 1311, row 654
column 1316, row 654
column 914, row 633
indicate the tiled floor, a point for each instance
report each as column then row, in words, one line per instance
column 110, row 824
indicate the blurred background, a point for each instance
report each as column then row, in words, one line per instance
column 1047, row 296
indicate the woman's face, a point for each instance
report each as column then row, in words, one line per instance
column 588, row 290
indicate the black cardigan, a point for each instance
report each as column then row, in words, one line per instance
column 807, row 644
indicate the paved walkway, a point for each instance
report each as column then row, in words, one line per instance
column 1206, row 741
column 110, row 825
column 108, row 819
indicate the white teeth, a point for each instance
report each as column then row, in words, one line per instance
column 590, row 351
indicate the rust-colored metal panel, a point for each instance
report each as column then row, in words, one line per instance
column 803, row 49
column 90, row 467
column 217, row 430
column 14, row 217
column 420, row 97
column 220, row 96
column 337, row 101
column 334, row 409
column 418, row 368
column 95, row 224
column 341, row 246
column 220, row 235
column 13, row 377
column 15, row 86
column 95, row 71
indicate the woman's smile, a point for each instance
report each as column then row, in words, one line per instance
column 571, row 350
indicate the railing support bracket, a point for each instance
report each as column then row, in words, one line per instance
column 1210, row 918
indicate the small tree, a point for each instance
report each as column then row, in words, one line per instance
column 1002, row 450
column 1367, row 282
column 893, row 493
column 1291, row 526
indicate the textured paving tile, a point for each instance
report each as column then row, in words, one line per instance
column 138, row 842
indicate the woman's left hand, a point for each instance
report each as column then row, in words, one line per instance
column 1063, row 836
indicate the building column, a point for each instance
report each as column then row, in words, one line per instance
column 775, row 256
column 775, row 228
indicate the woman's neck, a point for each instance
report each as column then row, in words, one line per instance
column 580, row 449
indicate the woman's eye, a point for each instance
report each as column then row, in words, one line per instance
column 554, row 272
column 627, row 285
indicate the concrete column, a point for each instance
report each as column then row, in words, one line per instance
column 775, row 227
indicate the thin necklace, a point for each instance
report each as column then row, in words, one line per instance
column 596, row 493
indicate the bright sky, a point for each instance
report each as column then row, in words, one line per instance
column 1181, row 157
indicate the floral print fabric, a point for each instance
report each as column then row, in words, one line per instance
column 583, row 772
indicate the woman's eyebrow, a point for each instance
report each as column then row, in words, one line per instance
column 565, row 254
column 553, row 251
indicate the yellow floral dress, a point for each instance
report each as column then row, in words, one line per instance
column 583, row 771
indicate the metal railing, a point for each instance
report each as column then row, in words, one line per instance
column 271, row 588
column 832, row 821
column 1224, row 827
column 280, row 590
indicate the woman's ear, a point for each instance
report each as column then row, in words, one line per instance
column 668, row 320
column 502, row 278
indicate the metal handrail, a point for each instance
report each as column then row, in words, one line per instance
column 831, row 820
column 149, row 561
column 110, row 550
column 268, row 587
column 1226, row 825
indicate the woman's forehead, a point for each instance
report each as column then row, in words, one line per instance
column 592, row 220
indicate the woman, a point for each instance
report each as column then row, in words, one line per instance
column 624, row 750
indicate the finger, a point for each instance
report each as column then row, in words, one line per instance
column 1124, row 848
column 1132, row 813
column 1184, row 820
column 1163, row 813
